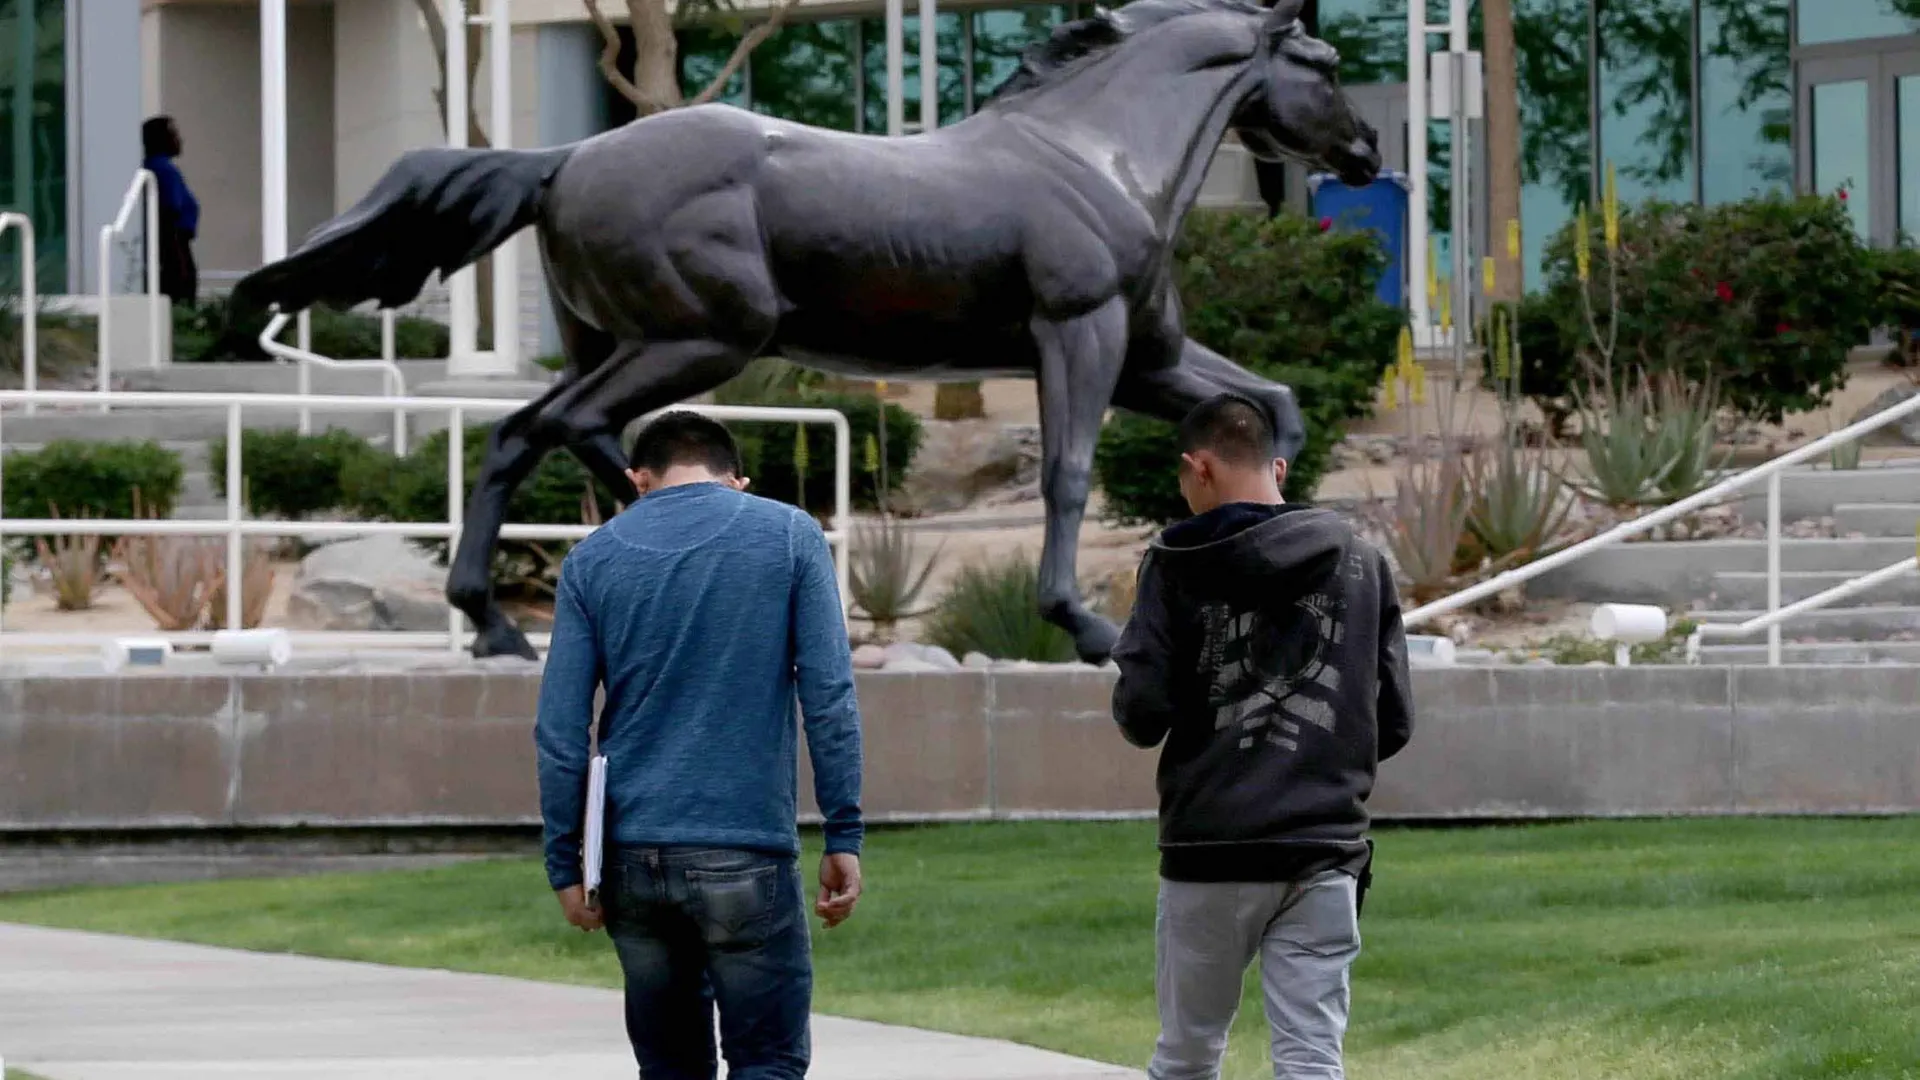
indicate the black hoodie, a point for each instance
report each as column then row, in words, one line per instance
column 1266, row 648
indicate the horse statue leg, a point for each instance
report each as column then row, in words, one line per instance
column 1169, row 393
column 1080, row 362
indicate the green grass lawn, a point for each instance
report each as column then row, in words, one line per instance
column 1684, row 949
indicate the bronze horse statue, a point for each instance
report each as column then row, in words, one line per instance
column 1034, row 238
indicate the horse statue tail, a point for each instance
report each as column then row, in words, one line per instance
column 435, row 209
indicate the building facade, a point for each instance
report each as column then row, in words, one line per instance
column 1690, row 100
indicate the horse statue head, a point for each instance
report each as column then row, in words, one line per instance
column 1299, row 111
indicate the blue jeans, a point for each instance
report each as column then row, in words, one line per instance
column 698, row 928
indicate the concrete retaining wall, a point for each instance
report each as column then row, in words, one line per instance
column 438, row 748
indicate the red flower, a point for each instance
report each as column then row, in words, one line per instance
column 1326, row 223
column 1725, row 292
column 1783, row 328
column 1843, row 194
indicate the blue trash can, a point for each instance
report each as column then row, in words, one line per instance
column 1380, row 206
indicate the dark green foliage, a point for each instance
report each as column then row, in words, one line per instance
column 379, row 486
column 996, row 610
column 1549, row 361
column 1283, row 299
column 198, row 330
column 1897, row 270
column 768, row 450
column 1765, row 297
column 290, row 475
column 96, row 479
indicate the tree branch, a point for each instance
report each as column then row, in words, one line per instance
column 742, row 51
column 610, row 62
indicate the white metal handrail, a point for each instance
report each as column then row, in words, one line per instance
column 1769, row 471
column 143, row 181
column 1772, row 620
column 29, row 302
column 237, row 526
column 395, row 383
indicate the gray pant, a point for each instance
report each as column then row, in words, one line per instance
column 1306, row 934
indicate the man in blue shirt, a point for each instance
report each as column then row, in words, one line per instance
column 702, row 611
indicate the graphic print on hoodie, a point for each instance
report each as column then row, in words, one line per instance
column 1266, row 649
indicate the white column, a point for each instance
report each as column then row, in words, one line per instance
column 506, row 263
column 929, row 67
column 1417, row 238
column 1461, row 176
column 462, row 304
column 273, row 130
column 896, row 66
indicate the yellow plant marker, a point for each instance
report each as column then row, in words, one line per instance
column 1390, row 401
column 1488, row 272
column 1513, row 239
column 1433, row 272
column 1419, row 387
column 1446, row 310
column 880, row 388
column 1502, row 347
column 873, row 455
column 1613, row 210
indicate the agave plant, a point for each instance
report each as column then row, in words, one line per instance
column 173, row 577
column 256, row 588
column 995, row 610
column 1624, row 462
column 1516, row 508
column 1426, row 522
column 74, row 562
column 886, row 574
column 1685, row 423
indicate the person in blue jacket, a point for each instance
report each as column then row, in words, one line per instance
column 179, row 210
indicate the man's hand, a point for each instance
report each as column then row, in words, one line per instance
column 573, row 901
column 839, row 888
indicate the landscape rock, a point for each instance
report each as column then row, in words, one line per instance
column 912, row 665
column 1905, row 431
column 961, row 460
column 870, row 657
column 376, row 583
column 976, row 660
column 939, row 657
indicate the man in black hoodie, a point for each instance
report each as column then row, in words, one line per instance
column 1266, row 649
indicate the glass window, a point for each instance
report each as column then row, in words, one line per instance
column 703, row 52
column 1746, row 99
column 1840, row 149
column 805, row 73
column 33, row 129
column 1907, row 106
column 1371, row 36
column 1850, row 20
column 1000, row 36
column 948, row 34
column 1646, row 91
column 1556, row 134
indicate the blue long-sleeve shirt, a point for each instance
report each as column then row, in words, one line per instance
column 702, row 611
column 174, row 195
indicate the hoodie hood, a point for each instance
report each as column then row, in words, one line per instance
column 1240, row 543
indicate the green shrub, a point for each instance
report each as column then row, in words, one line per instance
column 287, row 474
column 1550, row 365
column 768, row 451
column 1285, row 300
column 1765, row 297
column 199, row 334
column 996, row 610
column 99, row 479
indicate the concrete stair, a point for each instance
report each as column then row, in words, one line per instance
column 1881, row 506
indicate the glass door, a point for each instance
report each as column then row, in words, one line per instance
column 1860, row 134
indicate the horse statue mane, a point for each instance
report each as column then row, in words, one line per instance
column 1071, row 43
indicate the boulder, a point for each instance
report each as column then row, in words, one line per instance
column 975, row 661
column 939, row 657
column 913, row 665
column 377, row 583
column 1900, row 432
column 960, row 460
column 869, row 657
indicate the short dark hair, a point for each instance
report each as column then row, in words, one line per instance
column 686, row 438
column 1233, row 426
column 156, row 136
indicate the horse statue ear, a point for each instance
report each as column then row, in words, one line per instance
column 1284, row 13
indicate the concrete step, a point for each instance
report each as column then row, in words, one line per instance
column 1748, row 588
column 1832, row 624
column 1827, row 653
column 1814, row 493
column 1679, row 573
column 181, row 425
column 1878, row 519
column 263, row 378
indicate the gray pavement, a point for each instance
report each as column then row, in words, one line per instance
column 77, row 1006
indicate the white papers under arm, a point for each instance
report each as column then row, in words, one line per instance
column 593, row 844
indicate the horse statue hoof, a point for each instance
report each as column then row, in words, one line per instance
column 502, row 638
column 1096, row 640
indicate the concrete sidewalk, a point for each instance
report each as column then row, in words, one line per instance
column 77, row 1006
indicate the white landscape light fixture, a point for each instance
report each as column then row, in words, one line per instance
column 1627, row 625
column 1430, row 650
column 269, row 648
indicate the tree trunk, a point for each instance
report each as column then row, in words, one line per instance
column 1503, row 143
column 656, row 55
